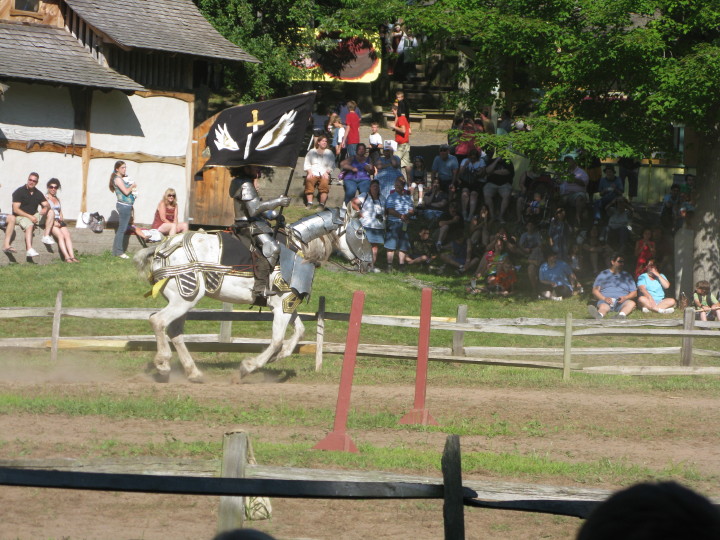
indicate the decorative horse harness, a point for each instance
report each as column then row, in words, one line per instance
column 295, row 276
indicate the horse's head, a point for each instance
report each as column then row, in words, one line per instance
column 352, row 242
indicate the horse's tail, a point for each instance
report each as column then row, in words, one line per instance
column 143, row 260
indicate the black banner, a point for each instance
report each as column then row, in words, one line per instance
column 268, row 133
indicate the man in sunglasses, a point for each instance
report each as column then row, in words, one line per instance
column 29, row 206
column 614, row 289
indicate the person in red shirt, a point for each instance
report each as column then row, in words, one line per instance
column 401, row 127
column 352, row 130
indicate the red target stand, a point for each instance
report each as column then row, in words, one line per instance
column 419, row 413
column 338, row 439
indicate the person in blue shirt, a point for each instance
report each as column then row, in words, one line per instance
column 399, row 208
column 614, row 289
column 651, row 289
column 557, row 280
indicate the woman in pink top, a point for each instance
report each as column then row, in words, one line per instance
column 166, row 215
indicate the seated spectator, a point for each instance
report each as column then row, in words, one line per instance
column 537, row 186
column 388, row 170
column 557, row 279
column 491, row 259
column 417, row 177
column 610, row 188
column 644, row 251
column 706, row 304
column 449, row 226
column 445, row 168
column 573, row 192
column 620, row 215
column 60, row 229
column 29, row 206
column 471, row 179
column 613, row 289
column 166, row 215
column 479, row 230
column 560, row 234
column 530, row 245
column 318, row 166
column 435, row 203
column 458, row 254
column 595, row 249
column 398, row 208
column 503, row 281
column 651, row 291
column 466, row 141
column 422, row 249
column 371, row 206
column 663, row 511
column 357, row 173
column 500, row 174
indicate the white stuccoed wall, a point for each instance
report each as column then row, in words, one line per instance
column 160, row 126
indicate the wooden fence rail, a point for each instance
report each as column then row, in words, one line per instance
column 685, row 329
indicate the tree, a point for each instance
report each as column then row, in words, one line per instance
column 611, row 77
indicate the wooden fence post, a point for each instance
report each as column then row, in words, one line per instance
column 226, row 326
column 232, row 509
column 56, row 327
column 686, row 350
column 453, row 509
column 320, row 336
column 458, row 343
column 567, row 350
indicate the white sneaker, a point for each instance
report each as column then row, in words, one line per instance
column 375, row 270
column 48, row 240
column 124, row 256
column 621, row 315
column 557, row 298
column 645, row 310
column 31, row 253
column 666, row 311
column 547, row 294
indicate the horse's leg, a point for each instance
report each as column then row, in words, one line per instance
column 176, row 309
column 291, row 343
column 280, row 324
column 175, row 332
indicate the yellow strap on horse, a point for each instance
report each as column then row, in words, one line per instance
column 157, row 288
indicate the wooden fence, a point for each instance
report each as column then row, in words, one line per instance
column 685, row 329
column 240, row 479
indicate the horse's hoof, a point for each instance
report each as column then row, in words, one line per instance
column 197, row 378
column 162, row 376
column 243, row 371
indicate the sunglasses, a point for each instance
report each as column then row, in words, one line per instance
column 53, row 187
column 171, row 196
column 621, row 261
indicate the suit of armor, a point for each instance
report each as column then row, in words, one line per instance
column 251, row 217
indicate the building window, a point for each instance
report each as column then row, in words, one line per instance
column 27, row 5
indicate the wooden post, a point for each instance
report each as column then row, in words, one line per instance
column 232, row 509
column 686, row 350
column 458, row 346
column 567, row 351
column 226, row 326
column 420, row 414
column 453, row 510
column 320, row 337
column 338, row 439
column 56, row 327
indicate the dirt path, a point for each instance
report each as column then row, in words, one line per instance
column 655, row 431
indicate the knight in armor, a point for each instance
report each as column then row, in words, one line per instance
column 252, row 216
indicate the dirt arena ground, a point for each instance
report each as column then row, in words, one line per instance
column 626, row 429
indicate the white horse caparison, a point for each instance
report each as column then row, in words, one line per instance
column 169, row 321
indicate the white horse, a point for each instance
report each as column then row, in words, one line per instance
column 187, row 267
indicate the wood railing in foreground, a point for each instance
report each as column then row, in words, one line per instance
column 685, row 329
column 239, row 479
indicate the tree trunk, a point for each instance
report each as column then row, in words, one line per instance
column 706, row 221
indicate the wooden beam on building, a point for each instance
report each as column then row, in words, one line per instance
column 138, row 157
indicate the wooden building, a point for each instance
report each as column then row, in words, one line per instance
column 84, row 83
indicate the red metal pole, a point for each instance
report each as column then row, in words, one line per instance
column 420, row 414
column 338, row 439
